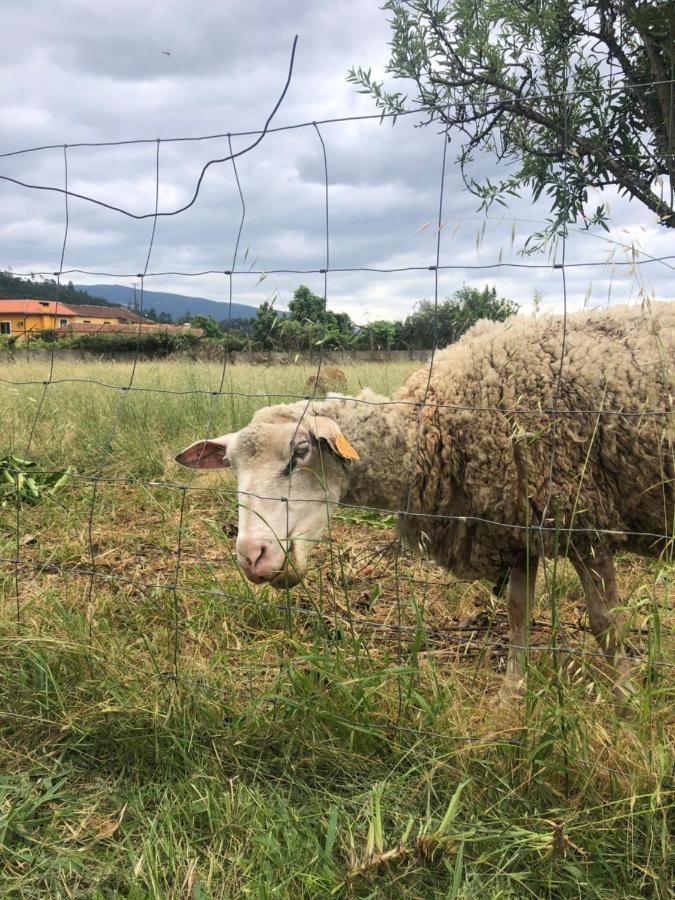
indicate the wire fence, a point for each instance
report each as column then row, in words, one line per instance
column 543, row 531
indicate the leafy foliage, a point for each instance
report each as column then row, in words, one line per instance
column 571, row 96
column 306, row 306
column 160, row 343
column 164, row 318
column 308, row 326
column 437, row 326
column 321, row 326
column 21, row 482
column 8, row 342
column 208, row 325
column 380, row 335
column 265, row 327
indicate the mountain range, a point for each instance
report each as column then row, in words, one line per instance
column 177, row 305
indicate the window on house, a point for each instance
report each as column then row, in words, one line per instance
column 63, row 323
column 87, row 321
column 5, row 327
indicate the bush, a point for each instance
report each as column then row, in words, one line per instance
column 235, row 340
column 8, row 342
column 45, row 336
column 160, row 343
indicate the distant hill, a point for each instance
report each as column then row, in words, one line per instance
column 13, row 287
column 177, row 305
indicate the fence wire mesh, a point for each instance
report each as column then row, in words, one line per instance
column 157, row 570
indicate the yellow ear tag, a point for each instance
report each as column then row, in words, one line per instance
column 344, row 448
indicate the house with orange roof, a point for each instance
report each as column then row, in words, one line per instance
column 24, row 317
column 107, row 315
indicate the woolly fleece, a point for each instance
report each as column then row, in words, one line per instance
column 481, row 445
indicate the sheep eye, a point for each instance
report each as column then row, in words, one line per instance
column 301, row 450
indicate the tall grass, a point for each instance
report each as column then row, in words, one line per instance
column 306, row 748
column 171, row 403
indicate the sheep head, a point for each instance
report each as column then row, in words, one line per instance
column 291, row 470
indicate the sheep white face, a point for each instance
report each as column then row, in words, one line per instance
column 290, row 478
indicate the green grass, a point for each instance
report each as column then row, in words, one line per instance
column 303, row 751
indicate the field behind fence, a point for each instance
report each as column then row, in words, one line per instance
column 212, row 350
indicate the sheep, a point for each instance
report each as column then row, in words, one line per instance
column 329, row 378
column 484, row 474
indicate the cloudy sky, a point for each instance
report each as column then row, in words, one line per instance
column 82, row 71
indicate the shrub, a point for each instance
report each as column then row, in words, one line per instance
column 160, row 343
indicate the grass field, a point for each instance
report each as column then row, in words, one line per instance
column 169, row 731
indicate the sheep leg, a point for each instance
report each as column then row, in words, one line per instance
column 598, row 580
column 522, row 579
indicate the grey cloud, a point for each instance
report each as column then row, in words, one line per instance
column 98, row 73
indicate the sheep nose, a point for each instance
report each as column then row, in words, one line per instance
column 257, row 559
column 252, row 553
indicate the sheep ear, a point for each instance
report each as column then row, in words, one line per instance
column 325, row 429
column 211, row 454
